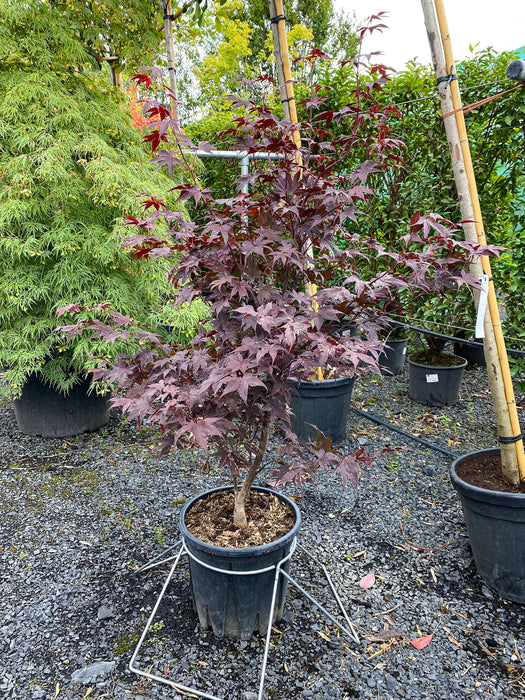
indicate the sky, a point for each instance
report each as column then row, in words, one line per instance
column 497, row 23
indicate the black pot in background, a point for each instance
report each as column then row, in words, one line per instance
column 495, row 522
column 474, row 354
column 435, row 386
column 321, row 404
column 232, row 605
column 393, row 356
column 41, row 410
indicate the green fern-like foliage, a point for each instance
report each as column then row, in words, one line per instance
column 181, row 323
column 71, row 166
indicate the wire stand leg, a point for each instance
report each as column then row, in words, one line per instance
column 166, row 681
column 279, row 571
column 350, row 624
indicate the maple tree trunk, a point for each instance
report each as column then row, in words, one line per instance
column 239, row 509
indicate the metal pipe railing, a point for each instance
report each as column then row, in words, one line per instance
column 243, row 156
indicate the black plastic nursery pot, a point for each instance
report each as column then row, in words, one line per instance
column 495, row 522
column 237, row 605
column 392, row 357
column 474, row 354
column 41, row 410
column 321, row 404
column 435, row 386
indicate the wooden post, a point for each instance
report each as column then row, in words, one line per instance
column 116, row 76
column 509, row 432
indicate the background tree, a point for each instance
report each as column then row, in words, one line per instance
column 231, row 47
column 71, row 166
column 329, row 27
column 424, row 179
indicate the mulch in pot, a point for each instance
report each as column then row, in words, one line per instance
column 485, row 472
column 211, row 520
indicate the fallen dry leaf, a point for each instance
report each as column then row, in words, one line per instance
column 368, row 580
column 384, row 636
column 422, row 642
column 324, row 636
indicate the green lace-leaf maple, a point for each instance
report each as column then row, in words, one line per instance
column 71, row 166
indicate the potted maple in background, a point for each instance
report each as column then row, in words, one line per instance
column 393, row 355
column 435, row 366
column 256, row 256
column 434, row 375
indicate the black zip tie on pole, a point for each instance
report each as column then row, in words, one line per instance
column 447, row 78
column 277, row 19
column 287, row 99
column 170, row 17
column 510, row 440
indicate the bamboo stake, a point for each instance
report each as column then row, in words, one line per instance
column 282, row 61
column 512, row 454
column 168, row 36
column 284, row 78
column 513, row 465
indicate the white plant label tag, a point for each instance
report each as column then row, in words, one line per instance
column 482, row 306
column 404, row 351
column 432, row 378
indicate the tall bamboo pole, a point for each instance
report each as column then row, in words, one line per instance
column 168, row 37
column 282, row 62
column 284, row 78
column 509, row 432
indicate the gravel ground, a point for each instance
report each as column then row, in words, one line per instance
column 79, row 516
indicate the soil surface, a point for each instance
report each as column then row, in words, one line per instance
column 211, row 520
column 485, row 472
column 79, row 517
column 428, row 359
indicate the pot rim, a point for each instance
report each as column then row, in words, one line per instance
column 346, row 379
column 463, row 364
column 478, row 493
column 391, row 341
column 232, row 552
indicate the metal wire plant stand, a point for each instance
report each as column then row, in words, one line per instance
column 348, row 628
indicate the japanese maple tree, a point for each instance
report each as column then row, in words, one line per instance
column 283, row 278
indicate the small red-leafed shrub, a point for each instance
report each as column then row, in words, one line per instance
column 283, row 277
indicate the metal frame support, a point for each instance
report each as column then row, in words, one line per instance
column 243, row 156
column 349, row 630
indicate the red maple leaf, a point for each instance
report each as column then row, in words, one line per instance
column 368, row 580
column 422, row 642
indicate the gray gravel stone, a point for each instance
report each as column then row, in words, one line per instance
column 487, row 592
column 105, row 613
column 93, row 673
column 78, row 517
